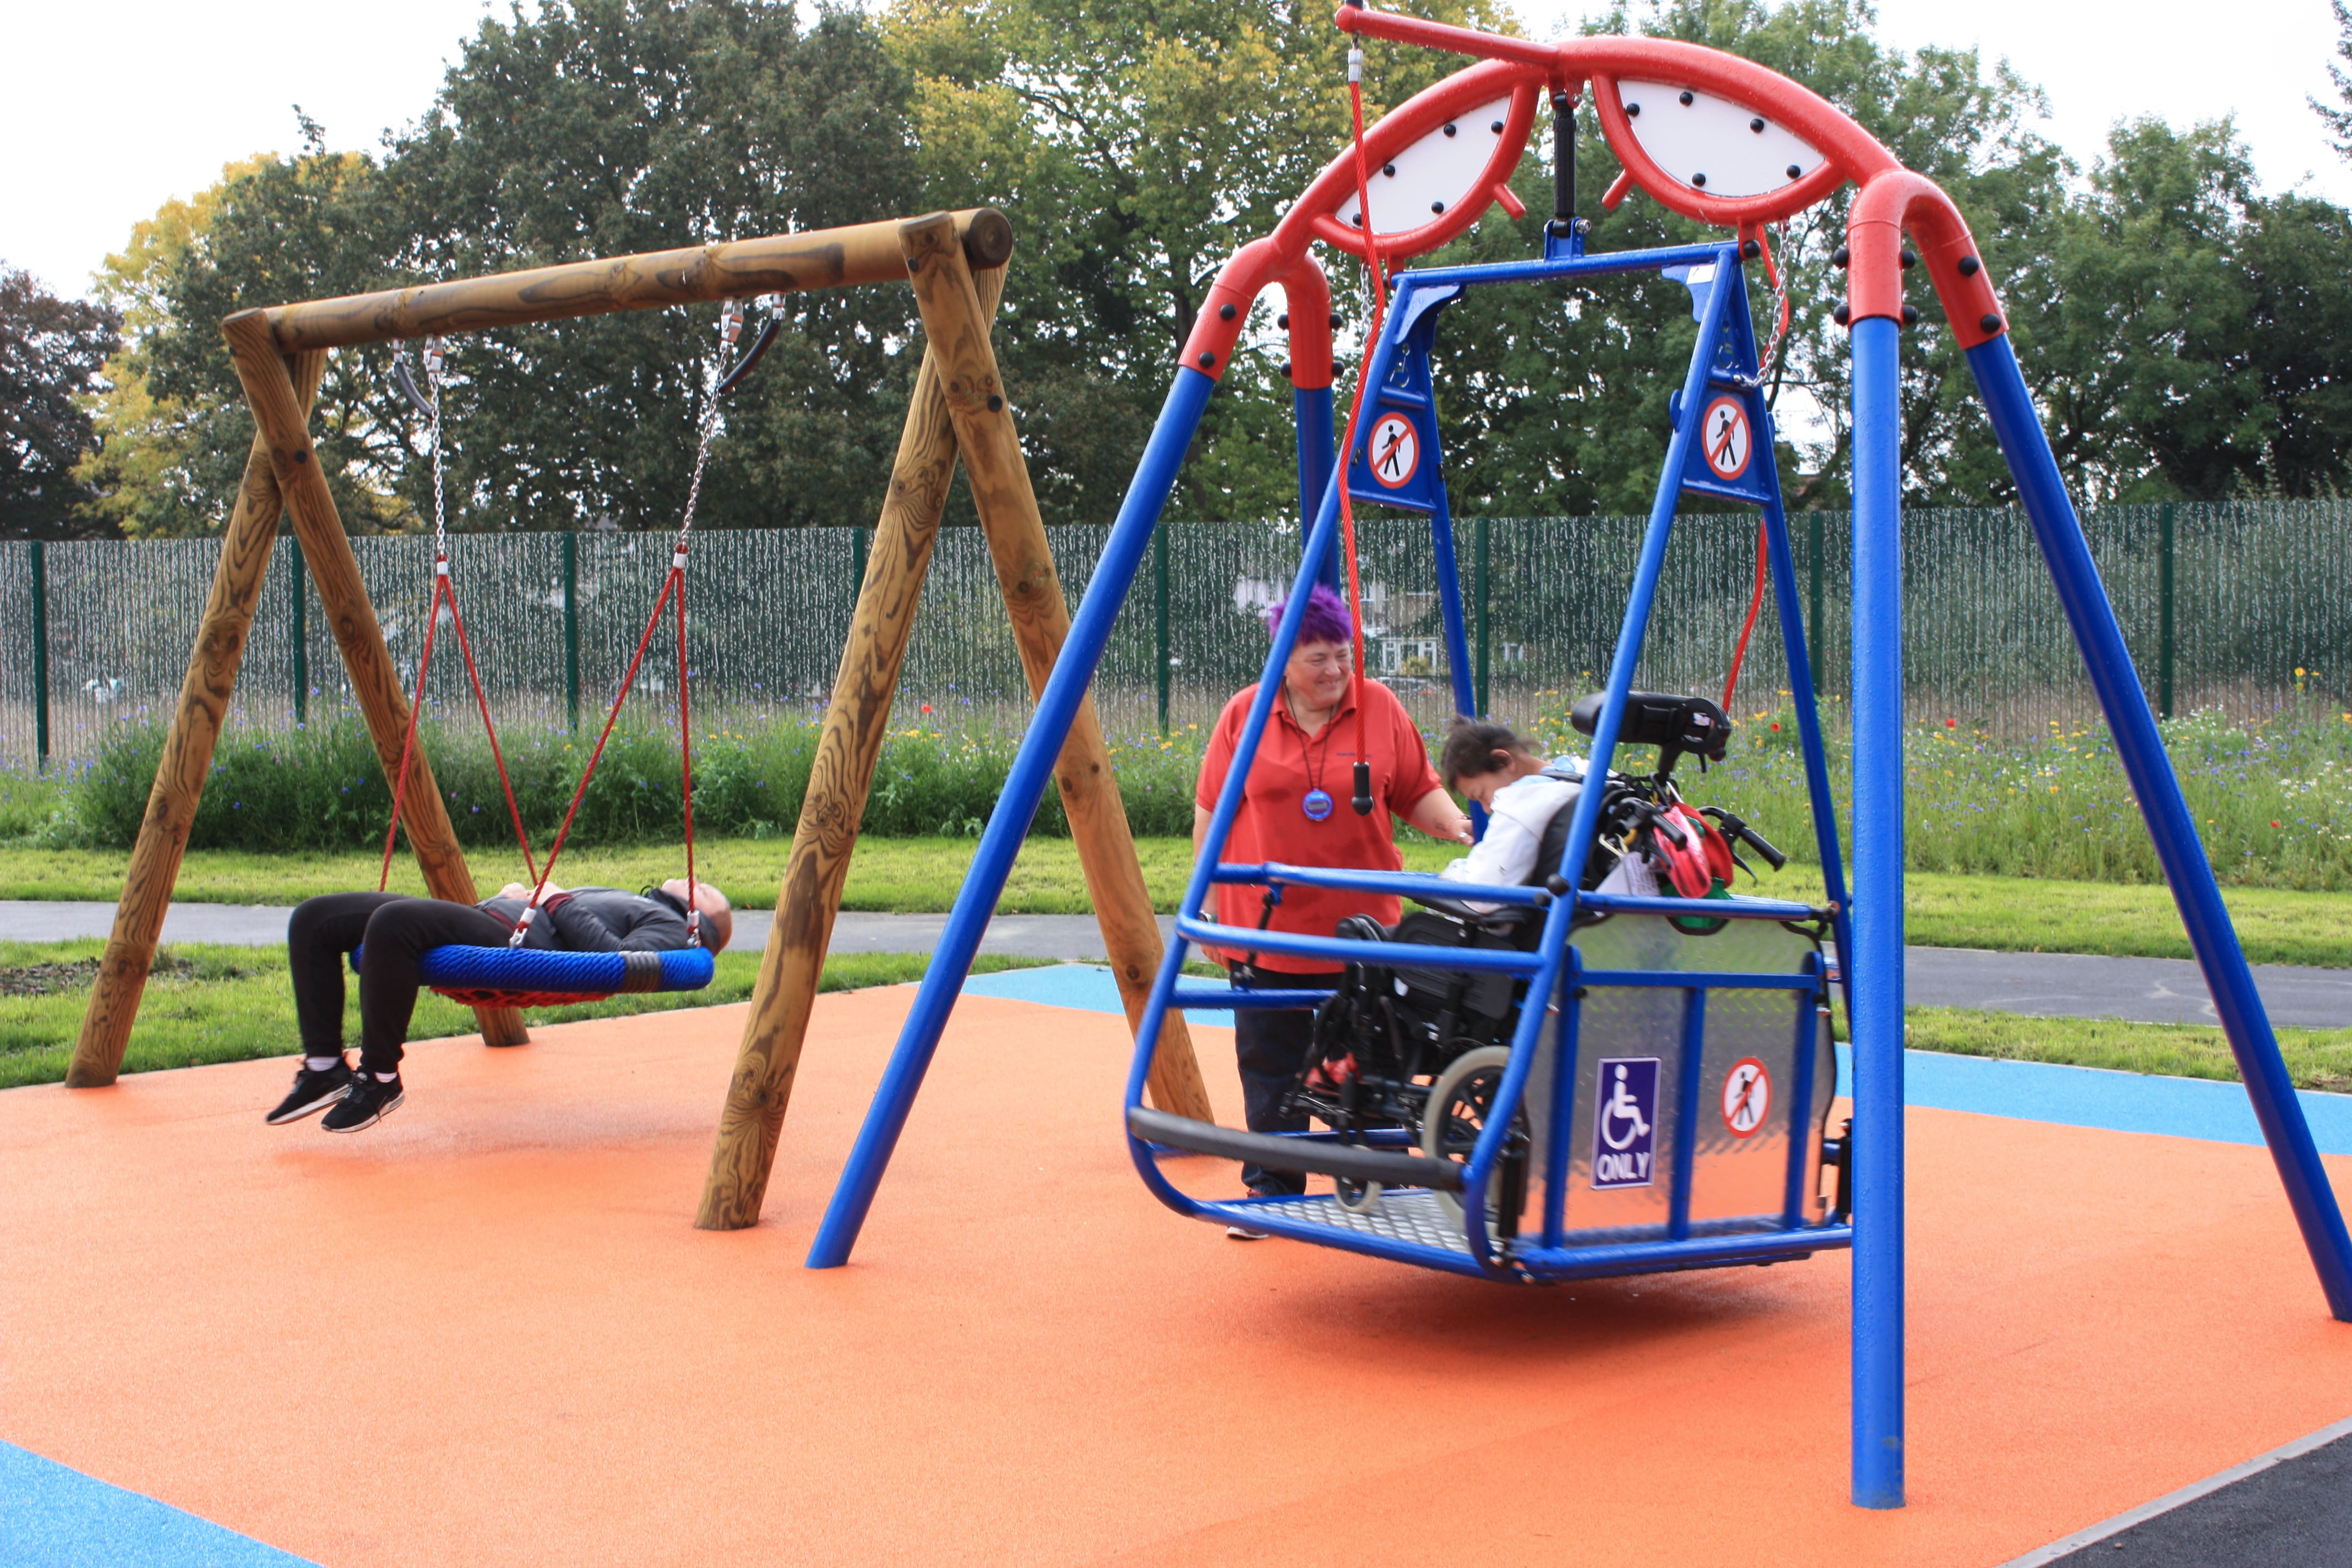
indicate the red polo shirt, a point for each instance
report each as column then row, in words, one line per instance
column 1273, row 824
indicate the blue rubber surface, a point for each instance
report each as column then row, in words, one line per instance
column 2027, row 1091
column 52, row 1517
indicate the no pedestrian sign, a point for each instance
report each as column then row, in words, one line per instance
column 1395, row 451
column 1747, row 1097
column 1725, row 438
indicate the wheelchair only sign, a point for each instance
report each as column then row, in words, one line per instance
column 1747, row 1096
column 1625, row 1122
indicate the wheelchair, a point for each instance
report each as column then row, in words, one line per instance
column 1414, row 1054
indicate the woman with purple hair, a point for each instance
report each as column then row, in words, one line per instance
column 1294, row 809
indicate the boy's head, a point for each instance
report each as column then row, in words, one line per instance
column 1480, row 757
column 718, row 914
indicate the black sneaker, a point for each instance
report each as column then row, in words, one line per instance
column 313, row 1093
column 368, row 1103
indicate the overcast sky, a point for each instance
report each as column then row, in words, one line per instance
column 116, row 106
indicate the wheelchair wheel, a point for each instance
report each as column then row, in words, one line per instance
column 1357, row 1197
column 1456, row 1115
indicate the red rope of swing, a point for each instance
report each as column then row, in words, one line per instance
column 686, row 746
column 1763, row 544
column 674, row 583
column 1755, row 606
column 444, row 592
column 1363, row 373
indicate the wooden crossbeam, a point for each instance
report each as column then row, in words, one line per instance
column 740, row 270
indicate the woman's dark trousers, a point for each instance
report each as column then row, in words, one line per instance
column 1270, row 1048
column 396, row 931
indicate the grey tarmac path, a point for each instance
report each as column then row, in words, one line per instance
column 2046, row 985
column 2291, row 1508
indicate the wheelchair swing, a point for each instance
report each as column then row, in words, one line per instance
column 1579, row 1082
column 1657, row 1104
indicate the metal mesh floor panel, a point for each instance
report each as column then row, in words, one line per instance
column 1409, row 1215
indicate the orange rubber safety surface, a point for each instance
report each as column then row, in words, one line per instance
column 485, row 1332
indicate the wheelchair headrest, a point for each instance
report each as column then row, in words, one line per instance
column 1673, row 724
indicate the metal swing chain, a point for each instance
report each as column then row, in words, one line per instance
column 435, row 356
column 1780, row 307
column 731, row 329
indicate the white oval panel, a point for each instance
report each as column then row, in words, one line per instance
column 1435, row 175
column 1713, row 145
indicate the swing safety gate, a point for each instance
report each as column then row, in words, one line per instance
column 1692, row 1021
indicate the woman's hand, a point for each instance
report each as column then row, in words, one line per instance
column 1436, row 815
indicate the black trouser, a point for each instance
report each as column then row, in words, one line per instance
column 1271, row 1047
column 397, row 930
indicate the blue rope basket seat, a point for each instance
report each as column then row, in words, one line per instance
column 550, row 977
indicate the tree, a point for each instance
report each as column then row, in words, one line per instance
column 2339, row 120
column 51, row 355
column 2143, row 352
column 581, row 129
column 609, row 126
column 1135, row 144
column 270, row 230
column 2296, row 253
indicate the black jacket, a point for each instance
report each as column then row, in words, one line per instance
column 603, row 920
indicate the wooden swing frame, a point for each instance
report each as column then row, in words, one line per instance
column 960, row 411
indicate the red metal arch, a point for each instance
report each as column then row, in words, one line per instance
column 1892, row 202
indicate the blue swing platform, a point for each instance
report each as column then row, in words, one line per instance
column 544, row 977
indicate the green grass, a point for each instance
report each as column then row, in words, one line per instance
column 208, row 1004
column 921, row 876
column 2317, row 1059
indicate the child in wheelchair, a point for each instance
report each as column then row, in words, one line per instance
column 1389, row 1032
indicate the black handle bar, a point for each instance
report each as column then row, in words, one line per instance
column 1745, row 835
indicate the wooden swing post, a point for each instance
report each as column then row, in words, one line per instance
column 958, row 408
column 221, row 638
column 956, row 320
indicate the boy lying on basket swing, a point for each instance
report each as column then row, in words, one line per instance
column 396, row 931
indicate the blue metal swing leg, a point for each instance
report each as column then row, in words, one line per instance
column 2170, row 824
column 1875, row 985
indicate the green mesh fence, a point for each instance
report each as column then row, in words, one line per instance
column 2259, row 592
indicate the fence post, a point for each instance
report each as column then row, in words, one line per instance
column 572, row 628
column 1486, row 663
column 1159, row 615
column 2164, row 610
column 1813, row 632
column 856, row 562
column 40, row 660
column 299, row 631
